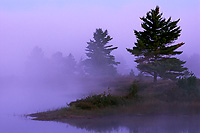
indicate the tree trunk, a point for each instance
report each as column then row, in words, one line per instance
column 155, row 77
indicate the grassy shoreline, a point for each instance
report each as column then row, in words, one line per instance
column 137, row 109
column 163, row 98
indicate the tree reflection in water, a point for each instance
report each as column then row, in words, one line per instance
column 140, row 124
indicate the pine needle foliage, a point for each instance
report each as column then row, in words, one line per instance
column 100, row 61
column 155, row 48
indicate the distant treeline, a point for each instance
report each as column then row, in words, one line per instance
column 154, row 53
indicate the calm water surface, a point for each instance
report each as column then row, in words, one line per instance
column 15, row 101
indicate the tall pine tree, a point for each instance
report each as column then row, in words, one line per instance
column 100, row 62
column 154, row 48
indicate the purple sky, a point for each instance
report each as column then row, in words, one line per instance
column 66, row 25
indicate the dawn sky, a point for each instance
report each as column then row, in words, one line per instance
column 30, row 84
column 66, row 25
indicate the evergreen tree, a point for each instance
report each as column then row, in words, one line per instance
column 58, row 65
column 154, row 48
column 100, row 61
column 63, row 66
column 132, row 74
column 37, row 64
column 37, row 54
column 81, row 67
column 71, row 64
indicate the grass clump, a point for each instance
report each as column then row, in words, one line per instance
column 105, row 100
column 97, row 101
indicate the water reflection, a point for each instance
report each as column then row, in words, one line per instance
column 16, row 100
column 140, row 124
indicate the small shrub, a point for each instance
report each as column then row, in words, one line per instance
column 97, row 101
column 85, row 105
column 133, row 91
column 189, row 85
column 186, row 89
column 103, row 100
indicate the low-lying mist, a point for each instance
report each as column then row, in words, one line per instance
column 33, row 81
column 38, row 83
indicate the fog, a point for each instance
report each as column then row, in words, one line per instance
column 43, row 43
column 67, row 26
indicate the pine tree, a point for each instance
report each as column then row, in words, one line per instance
column 154, row 49
column 71, row 64
column 132, row 74
column 100, row 61
column 63, row 66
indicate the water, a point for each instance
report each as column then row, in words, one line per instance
column 17, row 100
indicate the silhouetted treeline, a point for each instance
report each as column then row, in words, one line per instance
column 99, row 61
column 56, row 68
